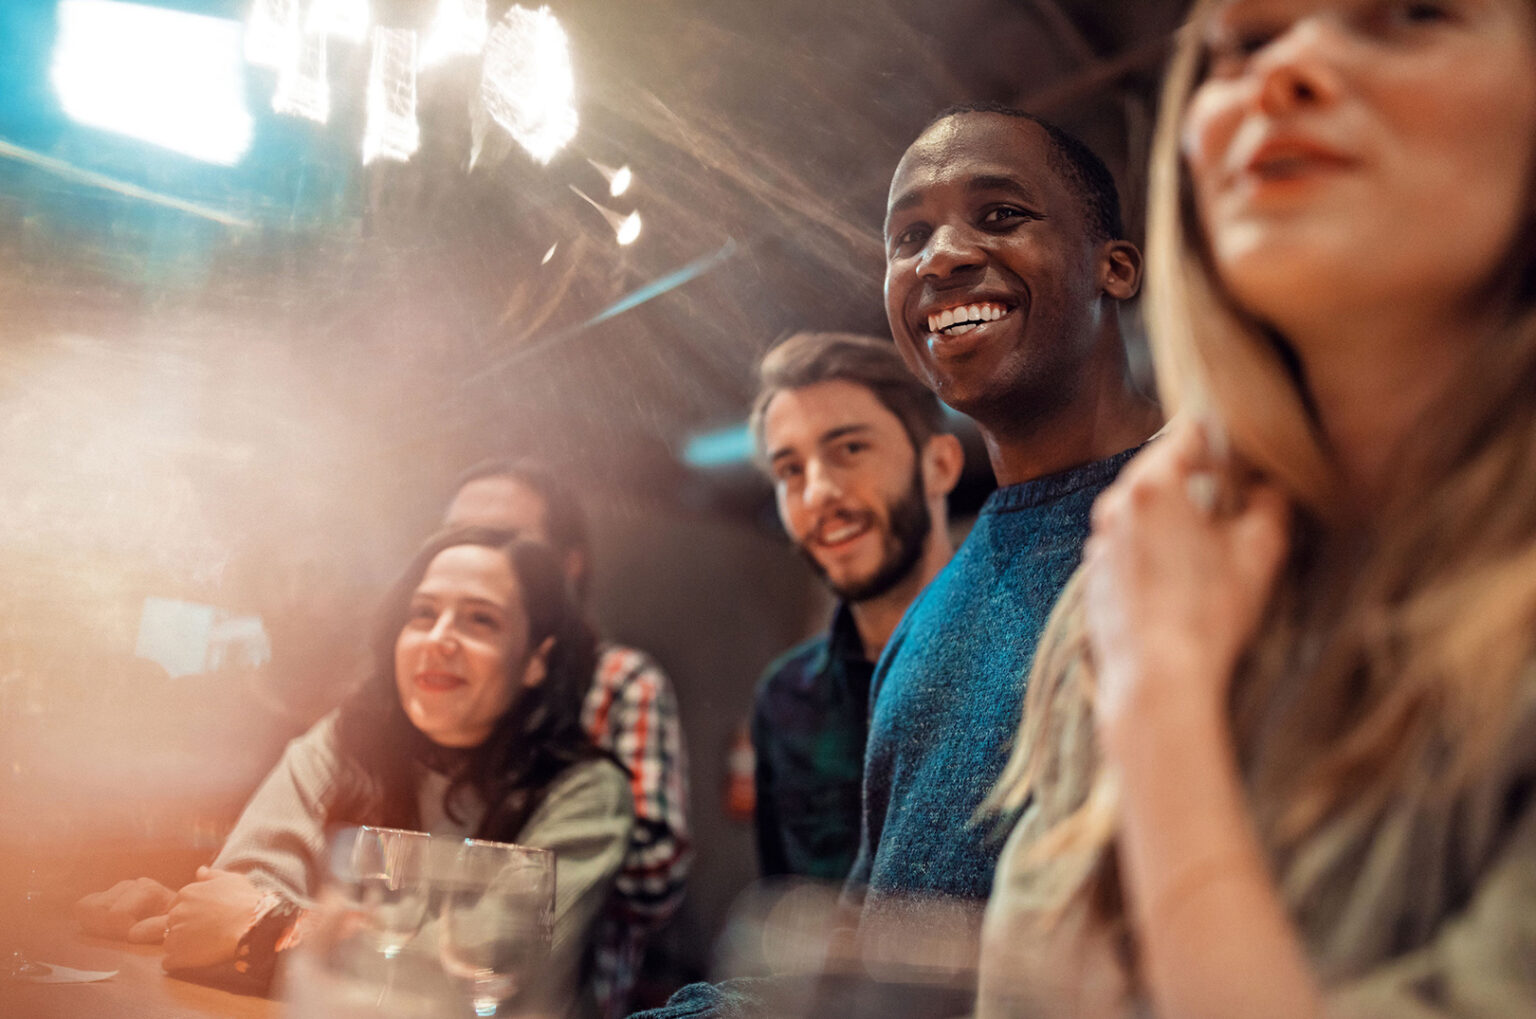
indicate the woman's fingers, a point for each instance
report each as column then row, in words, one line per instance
column 209, row 873
column 150, row 931
column 112, row 913
column 1179, row 568
column 1261, row 532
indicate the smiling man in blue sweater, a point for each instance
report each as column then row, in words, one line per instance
column 1006, row 265
column 1005, row 269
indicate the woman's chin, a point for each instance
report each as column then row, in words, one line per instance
column 451, row 739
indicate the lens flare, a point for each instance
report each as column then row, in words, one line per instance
column 272, row 33
column 392, row 131
column 458, row 29
column 169, row 78
column 527, row 83
column 303, row 89
column 345, row 19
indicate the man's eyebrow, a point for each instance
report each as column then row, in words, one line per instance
column 975, row 185
column 902, row 204
column 843, row 431
column 999, row 182
column 830, row 435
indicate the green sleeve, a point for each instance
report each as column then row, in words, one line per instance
column 585, row 820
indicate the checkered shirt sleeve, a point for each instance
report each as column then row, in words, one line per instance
column 631, row 712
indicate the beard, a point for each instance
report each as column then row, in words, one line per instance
column 908, row 524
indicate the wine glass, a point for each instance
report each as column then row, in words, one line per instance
column 339, row 974
column 384, row 872
column 498, row 923
column 358, row 960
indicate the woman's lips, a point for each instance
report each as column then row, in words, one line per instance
column 1284, row 159
column 438, row 682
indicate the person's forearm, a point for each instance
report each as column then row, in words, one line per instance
column 1214, row 936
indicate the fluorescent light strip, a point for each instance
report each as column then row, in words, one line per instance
column 166, row 77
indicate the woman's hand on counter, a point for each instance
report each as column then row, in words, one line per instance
column 128, row 911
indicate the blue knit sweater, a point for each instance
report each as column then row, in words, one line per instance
column 948, row 690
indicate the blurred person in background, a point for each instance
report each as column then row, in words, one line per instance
column 630, row 711
column 861, row 467
column 468, row 725
column 1279, row 753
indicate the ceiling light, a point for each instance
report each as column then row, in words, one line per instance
column 527, row 83
column 618, row 179
column 170, row 78
column 625, row 228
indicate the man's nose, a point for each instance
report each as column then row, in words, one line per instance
column 821, row 484
column 950, row 248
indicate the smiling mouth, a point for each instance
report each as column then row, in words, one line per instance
column 1292, row 167
column 1283, row 160
column 438, row 681
column 840, row 532
column 963, row 318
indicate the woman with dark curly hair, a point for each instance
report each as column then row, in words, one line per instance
column 469, row 724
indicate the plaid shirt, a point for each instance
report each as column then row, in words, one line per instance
column 631, row 712
column 809, row 726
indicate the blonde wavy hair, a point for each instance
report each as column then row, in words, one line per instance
column 1386, row 658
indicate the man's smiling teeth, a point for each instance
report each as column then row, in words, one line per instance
column 838, row 535
column 954, row 321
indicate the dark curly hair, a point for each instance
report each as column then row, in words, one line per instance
column 538, row 737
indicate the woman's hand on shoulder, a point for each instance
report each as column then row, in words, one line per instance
column 208, row 918
column 1178, row 575
column 128, row 911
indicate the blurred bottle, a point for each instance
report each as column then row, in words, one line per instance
column 740, row 776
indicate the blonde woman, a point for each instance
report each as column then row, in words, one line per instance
column 1279, row 749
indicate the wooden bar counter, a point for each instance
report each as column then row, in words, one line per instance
column 140, row 990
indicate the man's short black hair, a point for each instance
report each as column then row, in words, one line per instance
column 1079, row 166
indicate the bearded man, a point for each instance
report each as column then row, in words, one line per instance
column 861, row 468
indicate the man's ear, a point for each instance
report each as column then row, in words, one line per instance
column 1120, row 269
column 537, row 669
column 943, row 460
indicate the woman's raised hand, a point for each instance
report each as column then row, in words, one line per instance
column 1178, row 574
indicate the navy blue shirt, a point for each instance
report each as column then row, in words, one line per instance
column 948, row 691
column 809, row 724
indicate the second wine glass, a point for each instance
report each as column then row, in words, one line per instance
column 498, row 925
